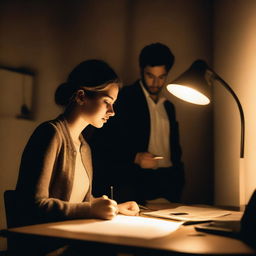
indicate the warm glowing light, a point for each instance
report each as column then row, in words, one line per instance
column 188, row 94
column 125, row 226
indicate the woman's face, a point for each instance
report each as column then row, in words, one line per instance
column 99, row 109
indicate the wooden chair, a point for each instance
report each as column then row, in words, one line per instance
column 11, row 208
column 25, row 246
column 11, row 212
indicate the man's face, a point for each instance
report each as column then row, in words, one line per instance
column 154, row 78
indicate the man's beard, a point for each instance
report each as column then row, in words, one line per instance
column 157, row 92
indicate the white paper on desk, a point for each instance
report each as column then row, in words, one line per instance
column 127, row 226
column 189, row 213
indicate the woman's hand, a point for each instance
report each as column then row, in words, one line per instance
column 130, row 208
column 103, row 208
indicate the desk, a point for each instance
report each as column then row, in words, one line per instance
column 186, row 240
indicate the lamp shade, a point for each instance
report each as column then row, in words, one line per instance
column 191, row 86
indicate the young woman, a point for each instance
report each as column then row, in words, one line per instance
column 55, row 178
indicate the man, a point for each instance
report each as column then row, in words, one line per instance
column 140, row 145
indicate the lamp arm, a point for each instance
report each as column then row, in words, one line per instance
column 218, row 78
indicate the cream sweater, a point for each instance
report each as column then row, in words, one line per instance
column 46, row 175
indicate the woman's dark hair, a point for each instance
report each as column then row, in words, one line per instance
column 156, row 54
column 93, row 75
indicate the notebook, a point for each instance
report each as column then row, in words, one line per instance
column 244, row 228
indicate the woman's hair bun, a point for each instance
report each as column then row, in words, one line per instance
column 92, row 73
column 63, row 94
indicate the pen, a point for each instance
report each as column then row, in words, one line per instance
column 111, row 193
column 142, row 207
column 112, row 198
column 178, row 213
column 158, row 157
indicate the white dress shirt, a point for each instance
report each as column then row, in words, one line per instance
column 159, row 142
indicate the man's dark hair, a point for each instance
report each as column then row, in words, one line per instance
column 156, row 54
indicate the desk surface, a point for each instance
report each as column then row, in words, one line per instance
column 185, row 240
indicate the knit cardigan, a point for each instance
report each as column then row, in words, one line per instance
column 46, row 175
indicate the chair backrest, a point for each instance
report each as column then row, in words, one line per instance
column 248, row 221
column 10, row 202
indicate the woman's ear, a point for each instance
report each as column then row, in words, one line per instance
column 80, row 97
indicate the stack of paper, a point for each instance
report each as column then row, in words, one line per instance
column 189, row 213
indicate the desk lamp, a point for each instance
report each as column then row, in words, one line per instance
column 194, row 86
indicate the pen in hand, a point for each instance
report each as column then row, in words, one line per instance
column 158, row 157
column 111, row 193
column 111, row 197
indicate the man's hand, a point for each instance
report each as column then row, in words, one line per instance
column 146, row 160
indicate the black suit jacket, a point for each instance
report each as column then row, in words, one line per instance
column 115, row 145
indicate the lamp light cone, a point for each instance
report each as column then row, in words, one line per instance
column 191, row 85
